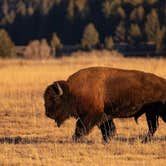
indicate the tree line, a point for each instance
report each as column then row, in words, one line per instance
column 93, row 23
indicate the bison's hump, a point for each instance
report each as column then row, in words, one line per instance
column 124, row 87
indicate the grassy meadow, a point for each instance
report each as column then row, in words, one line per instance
column 27, row 137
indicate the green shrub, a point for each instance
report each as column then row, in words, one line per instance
column 37, row 50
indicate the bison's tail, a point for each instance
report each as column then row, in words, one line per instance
column 137, row 115
column 136, row 118
column 162, row 112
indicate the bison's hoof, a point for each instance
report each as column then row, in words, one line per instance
column 146, row 139
column 105, row 141
column 81, row 139
column 75, row 138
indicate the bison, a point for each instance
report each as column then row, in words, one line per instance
column 97, row 95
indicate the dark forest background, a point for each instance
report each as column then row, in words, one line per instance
column 115, row 21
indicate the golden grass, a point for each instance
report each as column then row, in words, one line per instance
column 27, row 137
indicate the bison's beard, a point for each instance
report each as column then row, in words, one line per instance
column 59, row 120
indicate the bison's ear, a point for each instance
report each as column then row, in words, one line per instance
column 60, row 87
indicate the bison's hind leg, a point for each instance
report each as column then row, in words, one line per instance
column 152, row 120
column 108, row 130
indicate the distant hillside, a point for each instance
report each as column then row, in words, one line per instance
column 133, row 22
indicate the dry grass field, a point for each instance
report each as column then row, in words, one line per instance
column 27, row 137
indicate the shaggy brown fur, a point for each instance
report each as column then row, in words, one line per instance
column 97, row 95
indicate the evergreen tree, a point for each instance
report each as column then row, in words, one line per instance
column 137, row 14
column 21, row 8
column 121, row 12
column 152, row 25
column 109, row 43
column 140, row 13
column 37, row 50
column 110, row 7
column 151, row 2
column 7, row 47
column 155, row 33
column 70, row 9
column 135, row 33
column 5, row 7
column 135, row 2
column 30, row 10
column 120, row 33
column 45, row 6
column 27, row 20
column 106, row 8
column 55, row 43
column 161, row 33
column 90, row 37
column 82, row 7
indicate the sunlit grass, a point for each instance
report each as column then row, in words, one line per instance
column 27, row 137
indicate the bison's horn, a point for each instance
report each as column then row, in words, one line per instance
column 59, row 89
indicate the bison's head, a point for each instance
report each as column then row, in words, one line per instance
column 56, row 98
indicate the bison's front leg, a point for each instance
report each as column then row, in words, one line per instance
column 84, row 126
column 108, row 130
column 80, row 130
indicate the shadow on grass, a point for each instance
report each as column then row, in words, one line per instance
column 39, row 140
column 139, row 138
column 24, row 140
